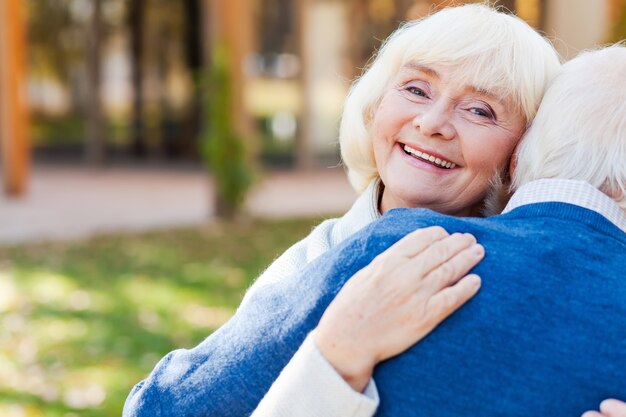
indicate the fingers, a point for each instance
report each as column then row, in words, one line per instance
column 457, row 266
column 592, row 414
column 444, row 249
column 416, row 242
column 449, row 299
column 434, row 262
column 613, row 408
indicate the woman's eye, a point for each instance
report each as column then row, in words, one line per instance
column 481, row 112
column 416, row 91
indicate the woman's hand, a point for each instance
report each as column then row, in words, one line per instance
column 396, row 300
column 609, row 408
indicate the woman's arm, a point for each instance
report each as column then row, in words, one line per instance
column 384, row 309
column 187, row 381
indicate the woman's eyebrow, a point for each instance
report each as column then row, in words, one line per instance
column 491, row 95
column 422, row 68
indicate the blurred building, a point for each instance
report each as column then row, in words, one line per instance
column 330, row 41
column 292, row 63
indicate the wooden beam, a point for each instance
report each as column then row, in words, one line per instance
column 14, row 145
column 231, row 23
column 530, row 11
column 615, row 9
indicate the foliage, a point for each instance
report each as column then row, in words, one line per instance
column 55, row 37
column 57, row 32
column 82, row 322
column 222, row 148
column 66, row 129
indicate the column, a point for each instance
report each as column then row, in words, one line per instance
column 14, row 147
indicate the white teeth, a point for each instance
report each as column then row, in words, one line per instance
column 423, row 155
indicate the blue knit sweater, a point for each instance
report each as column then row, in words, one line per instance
column 545, row 336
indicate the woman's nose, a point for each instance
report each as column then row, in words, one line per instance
column 435, row 121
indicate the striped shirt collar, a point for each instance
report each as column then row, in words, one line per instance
column 579, row 193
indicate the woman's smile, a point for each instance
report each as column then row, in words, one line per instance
column 430, row 158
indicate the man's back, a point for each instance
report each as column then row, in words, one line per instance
column 546, row 334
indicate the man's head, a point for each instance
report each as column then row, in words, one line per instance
column 579, row 132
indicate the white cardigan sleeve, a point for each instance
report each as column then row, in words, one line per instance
column 295, row 258
column 310, row 387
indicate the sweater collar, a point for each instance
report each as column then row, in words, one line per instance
column 579, row 193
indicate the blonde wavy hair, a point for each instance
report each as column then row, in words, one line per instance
column 494, row 50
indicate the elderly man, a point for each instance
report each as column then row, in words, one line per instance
column 545, row 336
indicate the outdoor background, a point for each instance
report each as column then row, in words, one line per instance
column 156, row 155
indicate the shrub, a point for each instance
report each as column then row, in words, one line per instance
column 223, row 150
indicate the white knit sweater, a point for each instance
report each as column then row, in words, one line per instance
column 326, row 235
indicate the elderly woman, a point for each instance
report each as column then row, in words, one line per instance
column 432, row 123
column 434, row 120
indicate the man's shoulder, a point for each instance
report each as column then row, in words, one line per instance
column 404, row 220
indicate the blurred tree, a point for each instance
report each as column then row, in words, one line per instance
column 136, row 17
column 47, row 18
column 148, row 38
column 166, row 78
column 95, row 146
column 194, row 60
column 65, row 44
column 56, row 46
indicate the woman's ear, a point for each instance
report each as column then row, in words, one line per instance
column 513, row 164
column 497, row 197
column 513, row 160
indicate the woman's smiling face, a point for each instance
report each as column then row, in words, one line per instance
column 438, row 142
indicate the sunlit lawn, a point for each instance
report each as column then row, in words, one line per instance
column 82, row 322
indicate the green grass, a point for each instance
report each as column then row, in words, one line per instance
column 82, row 322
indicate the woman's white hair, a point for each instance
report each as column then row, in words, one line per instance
column 580, row 130
column 493, row 50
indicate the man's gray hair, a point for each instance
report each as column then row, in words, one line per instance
column 579, row 131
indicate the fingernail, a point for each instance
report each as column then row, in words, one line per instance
column 474, row 280
column 469, row 235
column 478, row 249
